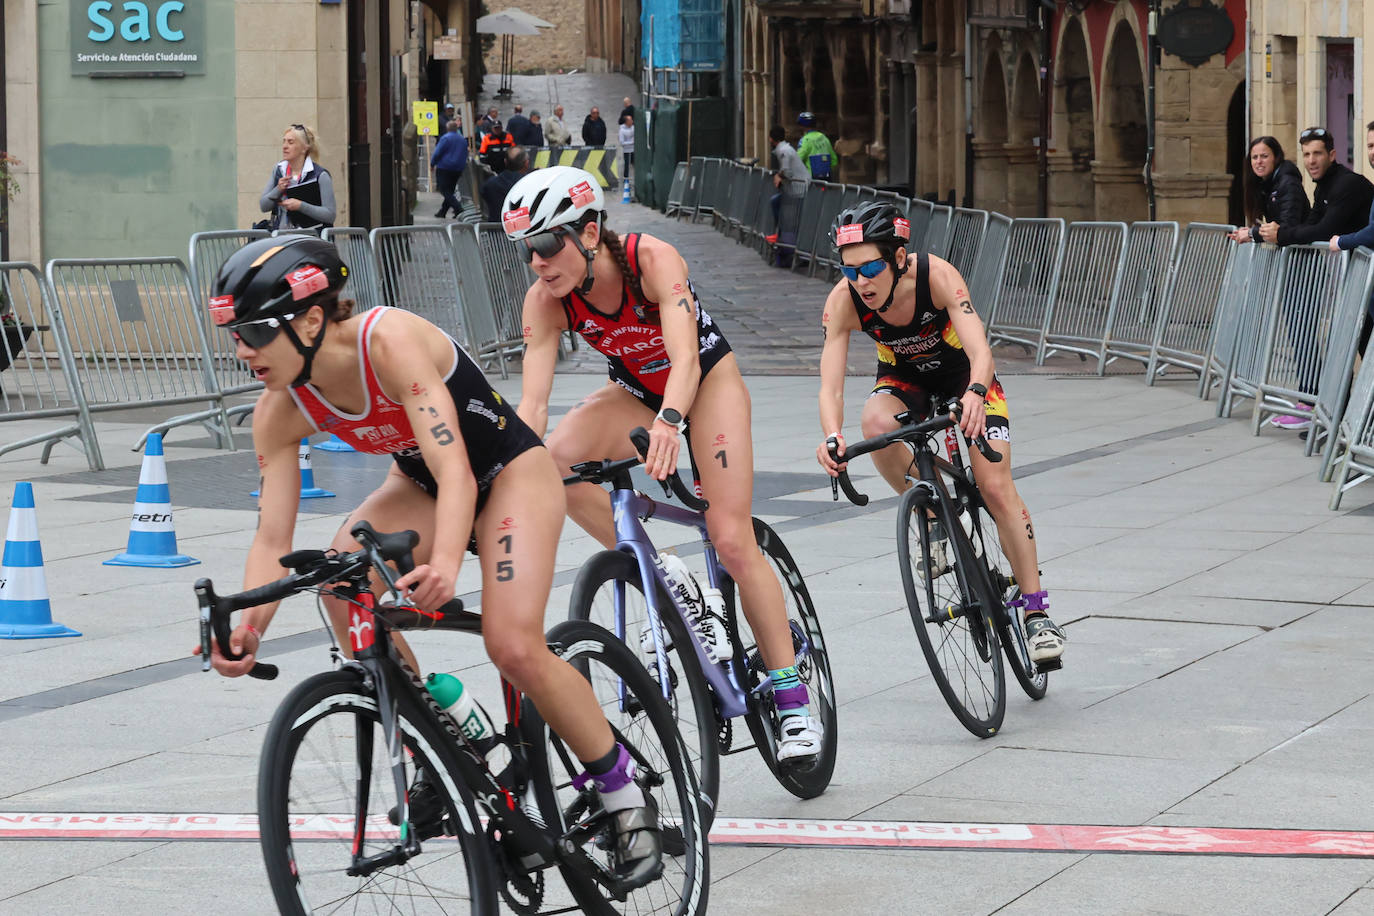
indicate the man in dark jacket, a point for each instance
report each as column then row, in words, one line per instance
column 1340, row 201
column 495, row 190
column 518, row 125
column 594, row 129
column 449, row 158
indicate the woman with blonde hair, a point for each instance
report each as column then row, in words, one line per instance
column 300, row 193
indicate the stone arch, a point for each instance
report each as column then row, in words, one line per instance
column 1072, row 194
column 1122, row 125
column 992, row 106
column 1023, row 156
column 989, row 145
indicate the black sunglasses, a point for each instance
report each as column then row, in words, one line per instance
column 545, row 244
column 1313, row 133
column 260, row 332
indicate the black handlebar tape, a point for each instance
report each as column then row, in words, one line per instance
column 640, row 437
column 854, row 495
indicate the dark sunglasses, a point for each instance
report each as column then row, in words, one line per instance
column 868, row 270
column 545, row 244
column 258, row 334
column 1313, row 133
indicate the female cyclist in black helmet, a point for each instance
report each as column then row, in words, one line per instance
column 931, row 342
column 389, row 382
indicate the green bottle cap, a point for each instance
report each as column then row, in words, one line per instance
column 445, row 688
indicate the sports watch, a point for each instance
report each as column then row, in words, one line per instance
column 672, row 418
column 979, row 389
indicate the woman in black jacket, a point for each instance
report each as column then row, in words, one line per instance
column 1273, row 190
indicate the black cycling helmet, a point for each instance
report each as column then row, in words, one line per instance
column 273, row 278
column 878, row 223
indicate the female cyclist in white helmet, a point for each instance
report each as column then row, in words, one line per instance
column 669, row 364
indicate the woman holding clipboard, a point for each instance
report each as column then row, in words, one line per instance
column 300, row 193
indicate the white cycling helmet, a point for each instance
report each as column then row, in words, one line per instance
column 559, row 196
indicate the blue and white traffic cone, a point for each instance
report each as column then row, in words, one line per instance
column 335, row 444
column 308, row 488
column 25, row 612
column 625, row 194
column 152, row 538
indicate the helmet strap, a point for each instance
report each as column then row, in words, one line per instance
column 307, row 352
column 586, row 286
column 897, row 274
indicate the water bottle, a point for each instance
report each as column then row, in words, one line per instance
column 700, row 603
column 457, row 701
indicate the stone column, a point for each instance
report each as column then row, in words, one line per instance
column 1119, row 191
column 1022, row 160
column 1193, row 198
column 990, row 176
column 1071, row 187
column 927, row 125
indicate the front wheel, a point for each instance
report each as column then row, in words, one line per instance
column 640, row 720
column 326, row 797
column 952, row 623
column 813, row 668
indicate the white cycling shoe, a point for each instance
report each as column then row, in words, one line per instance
column 799, row 738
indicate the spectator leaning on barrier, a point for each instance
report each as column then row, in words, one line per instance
column 495, row 142
column 594, row 129
column 1339, row 202
column 1273, row 190
column 495, row 190
column 815, row 150
column 449, row 159
column 1364, row 238
column 790, row 178
column 627, row 112
column 556, row 133
column 297, row 168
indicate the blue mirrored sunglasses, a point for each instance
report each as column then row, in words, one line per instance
column 869, row 269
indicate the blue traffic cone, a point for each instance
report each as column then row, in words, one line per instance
column 152, row 538
column 25, row 612
column 335, row 444
column 308, row 488
column 625, row 194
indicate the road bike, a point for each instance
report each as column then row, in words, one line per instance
column 966, row 611
column 345, row 823
column 705, row 696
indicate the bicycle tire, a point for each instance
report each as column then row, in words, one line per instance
column 956, row 646
column 696, row 712
column 987, row 543
column 813, row 669
column 291, row 828
column 647, row 729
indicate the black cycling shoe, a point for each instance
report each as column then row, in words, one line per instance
column 637, row 858
column 426, row 808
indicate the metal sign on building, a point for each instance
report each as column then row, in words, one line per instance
column 133, row 38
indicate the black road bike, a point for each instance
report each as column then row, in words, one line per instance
column 960, row 597
column 345, row 824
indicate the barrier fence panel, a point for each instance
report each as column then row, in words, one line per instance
column 937, row 233
column 710, row 194
column 1241, row 332
column 739, row 200
column 1144, row 277
column 919, row 213
column 355, row 247
column 825, row 254
column 1185, row 331
column 822, row 246
column 38, row 380
column 1341, row 344
column 208, row 252
column 965, row 235
column 762, row 223
column 137, row 339
column 987, row 270
column 691, row 195
column 796, row 209
column 508, row 279
column 1080, row 311
column 1302, row 314
column 486, row 340
column 720, row 194
column 1351, row 454
column 808, row 223
column 749, row 206
column 1035, row 250
column 417, row 272
column 677, row 189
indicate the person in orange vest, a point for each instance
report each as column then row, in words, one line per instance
column 494, row 145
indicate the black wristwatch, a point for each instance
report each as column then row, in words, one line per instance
column 979, row 389
column 672, row 418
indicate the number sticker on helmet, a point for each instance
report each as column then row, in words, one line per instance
column 306, row 281
column 851, row 234
column 901, row 228
column 516, row 220
column 221, row 309
column 581, row 194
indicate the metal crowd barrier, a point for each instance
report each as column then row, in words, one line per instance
column 761, row 225
column 808, row 222
column 1338, row 342
column 919, row 213
column 822, row 249
column 208, row 252
column 1143, row 280
column 508, row 278
column 691, row 194
column 710, row 195
column 987, row 270
column 1235, row 364
column 937, row 233
column 1080, row 311
column 1185, row 333
column 137, row 339
column 677, row 189
column 1349, row 456
column 37, row 378
column 965, row 235
column 1035, row 250
column 417, row 272
column 355, row 247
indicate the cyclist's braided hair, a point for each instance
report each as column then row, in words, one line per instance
column 617, row 250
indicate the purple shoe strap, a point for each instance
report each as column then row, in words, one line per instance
column 618, row 777
column 791, row 697
column 1038, row 601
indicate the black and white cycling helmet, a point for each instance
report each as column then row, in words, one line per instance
column 560, row 200
column 877, row 223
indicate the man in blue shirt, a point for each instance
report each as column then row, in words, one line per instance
column 448, row 160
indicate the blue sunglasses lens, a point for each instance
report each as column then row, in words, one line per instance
column 869, row 270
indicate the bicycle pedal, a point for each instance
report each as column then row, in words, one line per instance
column 1048, row 665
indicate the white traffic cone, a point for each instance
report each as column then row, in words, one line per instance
column 308, row 488
column 152, row 538
column 25, row 612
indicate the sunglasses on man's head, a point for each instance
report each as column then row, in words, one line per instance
column 545, row 244
column 1312, row 133
column 259, row 333
column 868, row 270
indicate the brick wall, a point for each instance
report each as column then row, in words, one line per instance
column 562, row 47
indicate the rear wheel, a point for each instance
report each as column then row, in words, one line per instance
column 641, row 722
column 608, row 592
column 954, row 628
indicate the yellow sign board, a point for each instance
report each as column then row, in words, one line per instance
column 426, row 117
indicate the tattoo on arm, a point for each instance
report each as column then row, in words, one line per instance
column 720, row 455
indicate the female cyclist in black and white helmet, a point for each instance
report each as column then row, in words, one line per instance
column 630, row 298
column 388, row 382
column 930, row 342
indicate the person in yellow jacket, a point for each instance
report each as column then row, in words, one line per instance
column 815, row 150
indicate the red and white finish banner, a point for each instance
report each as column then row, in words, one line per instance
column 737, row 831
